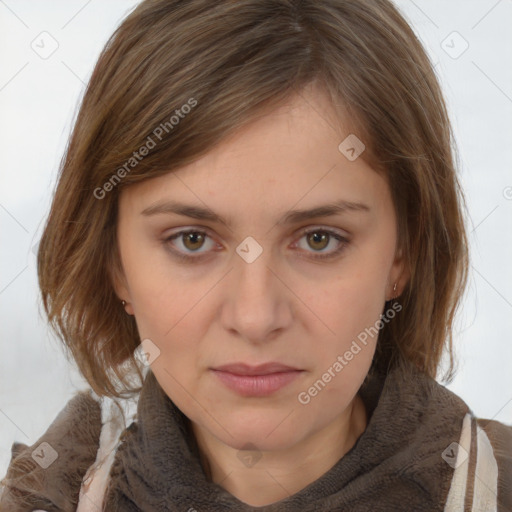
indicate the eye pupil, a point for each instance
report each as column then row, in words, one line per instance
column 318, row 237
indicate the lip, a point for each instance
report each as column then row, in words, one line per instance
column 257, row 381
column 261, row 369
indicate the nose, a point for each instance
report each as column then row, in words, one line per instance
column 258, row 304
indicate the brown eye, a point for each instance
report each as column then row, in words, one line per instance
column 184, row 244
column 193, row 240
column 322, row 243
column 318, row 240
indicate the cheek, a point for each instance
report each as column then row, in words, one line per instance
column 166, row 307
column 160, row 293
column 347, row 347
column 349, row 308
column 168, row 320
column 353, row 299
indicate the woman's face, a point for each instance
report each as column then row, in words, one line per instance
column 277, row 280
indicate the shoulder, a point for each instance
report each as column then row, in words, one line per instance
column 471, row 457
column 48, row 474
column 482, row 463
column 494, row 439
column 481, row 458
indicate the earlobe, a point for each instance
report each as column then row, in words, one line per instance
column 399, row 277
column 124, row 298
column 394, row 291
column 127, row 307
column 121, row 289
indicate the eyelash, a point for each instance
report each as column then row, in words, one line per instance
column 193, row 259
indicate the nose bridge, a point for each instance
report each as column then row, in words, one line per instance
column 256, row 303
column 253, row 276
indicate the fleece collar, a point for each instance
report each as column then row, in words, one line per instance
column 412, row 420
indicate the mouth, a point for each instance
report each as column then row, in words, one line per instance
column 256, row 381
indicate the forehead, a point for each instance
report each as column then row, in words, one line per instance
column 288, row 156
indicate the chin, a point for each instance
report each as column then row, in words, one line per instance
column 266, row 431
column 258, row 441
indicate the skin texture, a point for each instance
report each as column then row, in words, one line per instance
column 285, row 306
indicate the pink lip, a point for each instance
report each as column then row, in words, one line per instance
column 261, row 380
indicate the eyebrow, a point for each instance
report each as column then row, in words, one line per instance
column 291, row 217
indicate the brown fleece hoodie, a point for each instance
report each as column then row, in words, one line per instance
column 422, row 450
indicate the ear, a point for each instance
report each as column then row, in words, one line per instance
column 399, row 275
column 121, row 289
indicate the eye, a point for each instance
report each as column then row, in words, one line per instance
column 320, row 238
column 187, row 244
column 184, row 243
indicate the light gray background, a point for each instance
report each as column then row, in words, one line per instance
column 38, row 101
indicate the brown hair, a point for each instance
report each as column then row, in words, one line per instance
column 230, row 61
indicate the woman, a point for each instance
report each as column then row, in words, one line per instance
column 258, row 214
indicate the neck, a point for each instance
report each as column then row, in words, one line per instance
column 281, row 473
